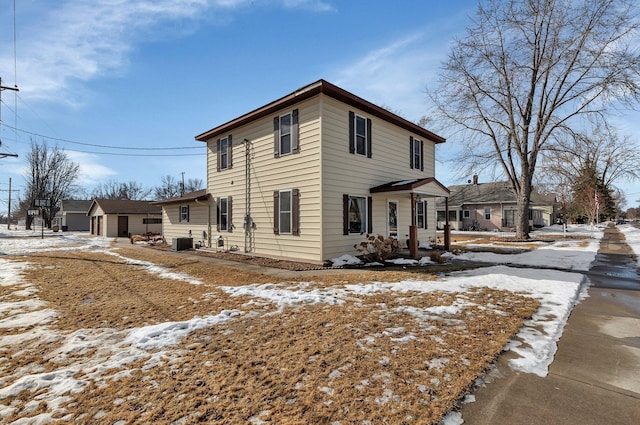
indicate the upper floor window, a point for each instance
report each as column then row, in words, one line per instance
column 416, row 151
column 224, row 150
column 359, row 135
column 285, row 134
column 184, row 213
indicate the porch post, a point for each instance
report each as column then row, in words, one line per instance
column 413, row 229
column 447, row 226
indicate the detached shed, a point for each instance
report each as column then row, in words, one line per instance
column 73, row 214
column 123, row 217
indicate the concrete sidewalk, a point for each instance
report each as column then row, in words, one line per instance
column 595, row 376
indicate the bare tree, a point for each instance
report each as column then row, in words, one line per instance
column 170, row 187
column 614, row 159
column 51, row 176
column 120, row 190
column 192, row 184
column 527, row 72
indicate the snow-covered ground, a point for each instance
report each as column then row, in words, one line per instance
column 558, row 291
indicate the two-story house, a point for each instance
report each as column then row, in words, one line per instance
column 308, row 175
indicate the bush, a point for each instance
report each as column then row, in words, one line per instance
column 378, row 248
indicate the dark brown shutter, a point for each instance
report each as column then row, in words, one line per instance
column 295, row 212
column 276, row 212
column 368, row 138
column 218, row 214
column 411, row 152
column 229, row 212
column 295, row 130
column 276, row 137
column 352, row 137
column 345, row 214
column 218, row 152
column 369, row 214
column 421, row 155
column 229, row 152
column 187, row 213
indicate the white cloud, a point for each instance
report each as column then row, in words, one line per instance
column 396, row 75
column 92, row 169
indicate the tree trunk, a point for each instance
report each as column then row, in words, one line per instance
column 522, row 201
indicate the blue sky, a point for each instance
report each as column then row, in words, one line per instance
column 155, row 73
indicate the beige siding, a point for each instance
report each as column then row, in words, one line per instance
column 197, row 227
column 267, row 174
column 346, row 173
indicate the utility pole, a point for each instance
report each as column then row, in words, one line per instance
column 9, row 208
column 182, row 187
column 4, row 155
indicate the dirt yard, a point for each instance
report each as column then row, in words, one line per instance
column 310, row 363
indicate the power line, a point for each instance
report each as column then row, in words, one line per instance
column 58, row 139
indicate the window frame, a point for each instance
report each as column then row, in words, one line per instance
column 223, row 213
column 356, row 136
column 487, row 213
column 364, row 213
column 281, row 211
column 466, row 214
column 281, row 151
column 183, row 213
column 416, row 154
column 421, row 215
column 224, row 155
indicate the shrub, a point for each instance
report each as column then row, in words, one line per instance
column 378, row 248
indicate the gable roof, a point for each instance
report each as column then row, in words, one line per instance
column 313, row 89
column 198, row 195
column 491, row 193
column 75, row 205
column 125, row 206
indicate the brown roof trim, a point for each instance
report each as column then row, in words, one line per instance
column 313, row 89
column 198, row 195
column 407, row 185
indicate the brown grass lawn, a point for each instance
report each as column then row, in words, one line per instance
column 368, row 359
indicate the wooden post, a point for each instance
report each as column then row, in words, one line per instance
column 413, row 229
column 447, row 226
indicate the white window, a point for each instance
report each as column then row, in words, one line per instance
column 360, row 128
column 223, row 205
column 417, row 154
column 357, row 214
column 285, row 211
column 285, row 134
column 184, row 213
column 224, row 153
column 421, row 214
column 487, row 213
column 466, row 214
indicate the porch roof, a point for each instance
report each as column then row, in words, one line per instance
column 427, row 187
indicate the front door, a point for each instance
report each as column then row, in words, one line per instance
column 392, row 219
column 123, row 226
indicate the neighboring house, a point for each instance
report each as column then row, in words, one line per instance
column 188, row 216
column 123, row 217
column 73, row 215
column 307, row 176
column 492, row 206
